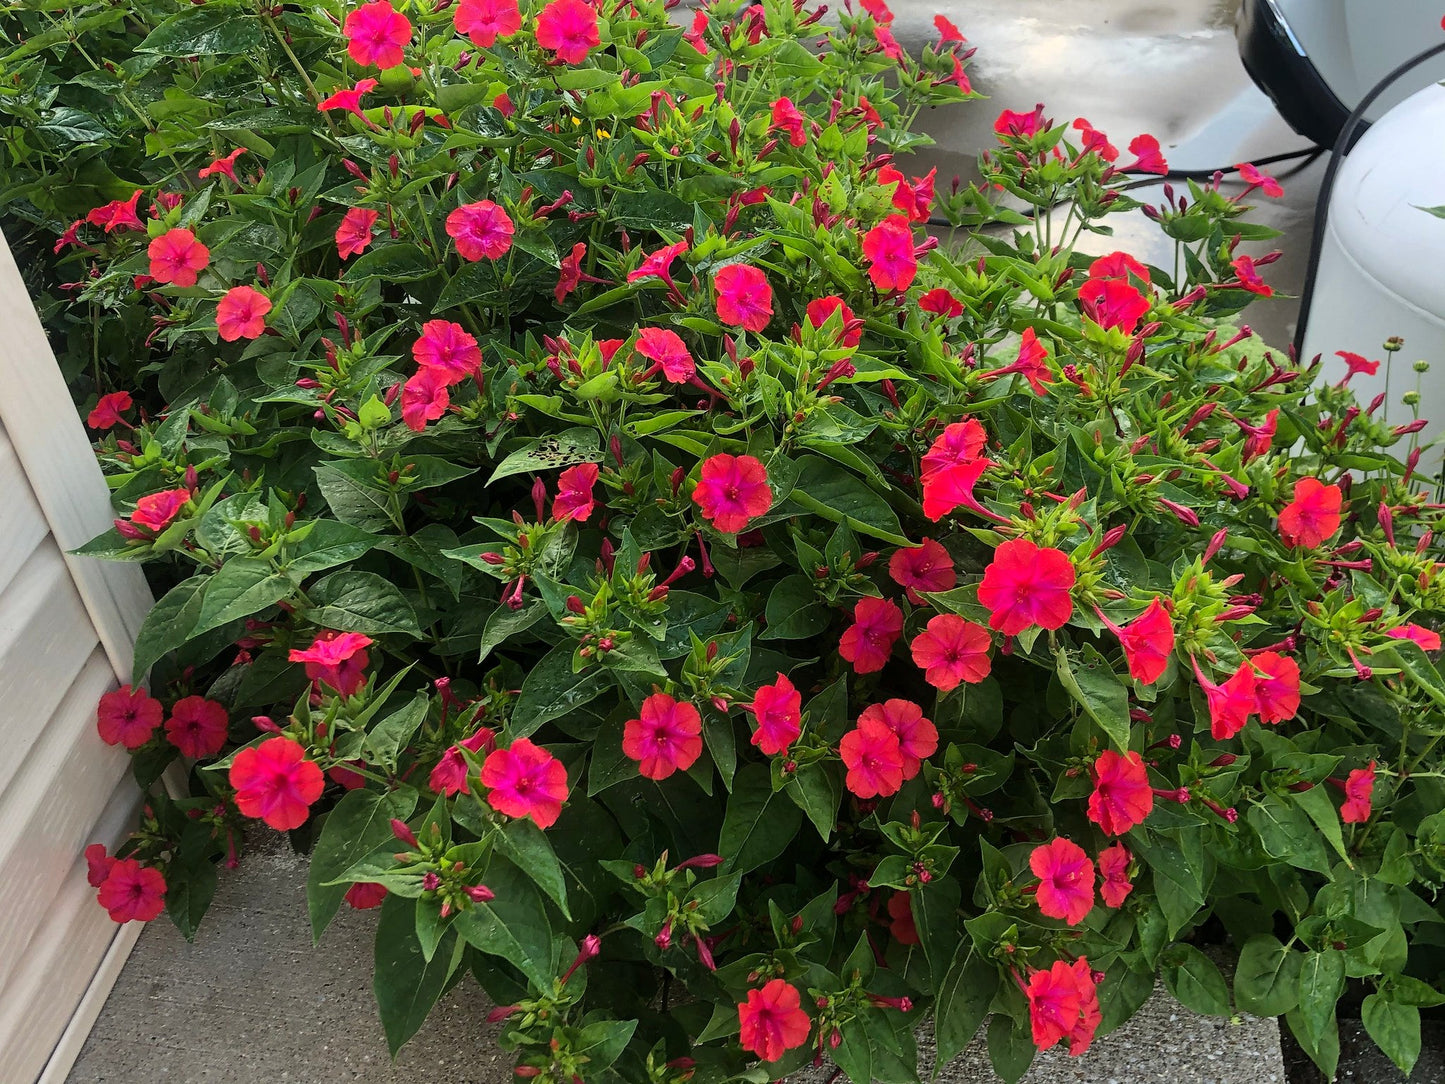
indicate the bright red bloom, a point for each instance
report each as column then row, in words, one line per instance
column 888, row 248
column 127, row 717
column 197, row 727
column 1022, row 125
column 1026, row 585
column 108, row 409
column 880, row 11
column 225, row 166
column 1147, row 158
column 958, row 444
column 924, row 567
column 1260, row 436
column 874, row 759
column 1055, row 1004
column 337, row 659
column 481, row 230
column 1230, row 704
column 132, row 892
column 778, row 709
column 71, row 236
column 1031, row 364
column 448, row 348
column 1119, row 265
column 1095, row 141
column 365, row 895
column 670, row 353
column 914, row 200
column 851, row 333
column 376, row 33
column 744, row 298
column 1114, row 873
column 241, row 313
column 98, row 865
column 1276, row 686
column 155, row 511
column 484, row 21
column 658, row 264
column 917, row 736
column 1249, row 278
column 1427, row 639
column 1113, row 303
column 569, row 29
column 947, row 31
column 1148, row 641
column 117, row 214
column 787, row 117
column 867, row 643
column 1255, row 179
column 449, row 777
column 1066, row 880
column 354, row 234
column 574, row 499
column 900, row 919
column 694, row 37
column 1356, row 363
column 275, row 782
column 1359, row 793
column 731, row 490
column 941, row 302
column 951, row 650
column 1312, row 516
column 569, row 273
column 177, row 257
column 503, row 104
column 888, row 43
column 665, row 738
column 1081, row 1035
column 348, row 100
column 525, row 780
column 771, row 1021
column 1122, row 796
column 424, row 397
column 951, row 468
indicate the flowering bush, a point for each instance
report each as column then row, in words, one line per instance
column 594, row 518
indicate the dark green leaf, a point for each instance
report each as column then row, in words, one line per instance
column 759, row 822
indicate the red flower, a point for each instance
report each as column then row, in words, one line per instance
column 1276, row 686
column 900, row 919
column 482, row 230
column 348, row 100
column 132, row 892
column 1312, row 516
column 177, row 257
column 952, row 467
column 1026, row 585
column 424, row 398
column 867, row 643
column 1119, row 265
column 787, row 117
column 1066, row 880
column 197, row 727
column 337, row 659
column 526, row 781
column 888, row 247
column 731, row 490
column 1249, row 278
column 376, row 33
column 484, row 21
column 115, row 215
column 1081, row 1035
column 107, row 411
column 851, row 332
column 569, row 29
column 574, row 493
column 127, row 717
column 1022, row 125
column 241, row 313
column 569, row 274
column 947, row 31
column 914, row 200
column 275, row 782
column 1147, row 158
column 744, row 298
column 1032, row 364
column 925, row 567
column 226, row 166
column 887, row 43
column 665, row 738
column 1054, row 1004
column 667, row 349
column 1428, row 640
column 1095, row 141
column 1260, row 436
column 658, row 264
column 98, row 865
column 873, row 758
column 941, row 302
column 1356, row 363
column 778, row 710
column 917, row 736
column 1359, row 792
column 155, row 511
column 694, row 37
column 879, row 10
column 1148, row 641
column 1114, row 872
column 1113, row 303
column 1122, row 796
column 354, row 234
column 958, row 444
column 1230, row 704
column 365, row 895
column 449, row 777
column 951, row 650
column 1255, row 179
column 771, row 1022
column 448, row 348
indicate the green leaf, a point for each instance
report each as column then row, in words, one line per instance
column 190, row 887
column 359, row 827
column 1321, row 981
column 528, row 847
column 840, row 497
column 327, row 544
column 213, row 30
column 854, row 1055
column 1010, row 1048
column 406, row 984
column 243, row 586
column 1395, row 1029
column 603, row 1041
column 935, row 916
column 759, row 822
column 794, row 611
column 353, row 493
column 1286, row 833
column 514, row 925
column 389, row 737
column 715, row 898
column 1092, row 682
column 1194, row 981
column 1266, row 979
column 818, row 792
column 551, row 690
column 362, row 602
column 167, row 625
column 964, row 996
column 1320, row 809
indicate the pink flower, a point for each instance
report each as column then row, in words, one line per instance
column 98, row 865
column 1359, row 793
column 1148, row 641
column 957, row 445
column 873, row 758
column 1119, row 265
column 1095, row 141
column 732, row 490
column 1113, row 303
column 127, row 717
column 887, row 43
column 276, row 783
column 348, row 100
column 1230, row 704
column 667, row 349
column 1427, row 639
column 951, row 488
column 947, row 31
column 771, row 1022
column 901, row 926
column 525, row 780
column 1276, row 686
column 694, row 36
column 1026, row 585
column 1312, row 516
column 108, row 410
column 951, row 650
column 365, row 895
column 917, row 736
column 1249, row 278
column 888, row 248
column 448, row 348
column 1122, row 797
column 1054, row 1004
column 569, row 273
column 658, row 264
column 1356, row 364
column 1147, row 158
column 225, row 166
column 376, row 34
column 666, row 736
column 879, row 10
column 925, row 567
column 132, row 892
column 336, row 659
column 1032, row 364
column 155, row 511
column 116, row 215
column 177, row 257
column 941, row 302
column 449, row 777
column 197, row 727
column 867, row 643
column 778, row 710
column 1021, row 125
column 424, row 398
column 1114, row 872
column 354, row 234
column 241, row 313
column 787, row 117
column 1255, row 179
column 484, row 21
column 744, row 298
column 569, row 29
column 482, row 230
column 1066, row 880
column 574, row 499
column 850, row 333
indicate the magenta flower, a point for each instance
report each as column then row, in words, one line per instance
column 569, row 29
column 481, row 230
column 1066, row 880
column 484, row 21
column 744, row 298
column 376, row 33
column 888, row 248
column 732, row 490
column 525, row 780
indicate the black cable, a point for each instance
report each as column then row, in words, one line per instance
column 1343, row 144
